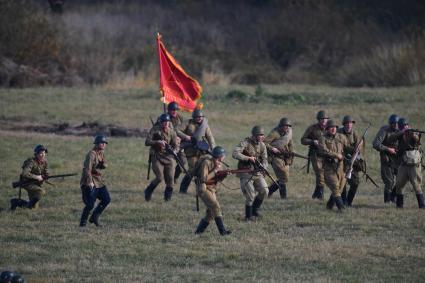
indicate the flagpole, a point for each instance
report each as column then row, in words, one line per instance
column 158, row 38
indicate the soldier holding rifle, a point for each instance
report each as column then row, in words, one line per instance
column 161, row 137
column 410, row 156
column 311, row 138
column 206, row 173
column 388, row 154
column 251, row 153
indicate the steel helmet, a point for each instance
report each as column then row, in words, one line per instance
column 173, row 106
column 393, row 119
column 38, row 148
column 100, row 139
column 218, row 152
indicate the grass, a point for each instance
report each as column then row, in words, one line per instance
column 297, row 240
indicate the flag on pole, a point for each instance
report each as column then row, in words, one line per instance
column 175, row 84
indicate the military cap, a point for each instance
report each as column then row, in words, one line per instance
column 348, row 119
column 39, row 148
column 197, row 113
column 100, row 139
column 257, row 131
column 284, row 122
column 173, row 106
column 322, row 115
column 331, row 124
column 218, row 152
column 393, row 119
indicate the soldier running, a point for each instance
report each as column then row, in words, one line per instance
column 279, row 146
column 311, row 138
column 388, row 154
column 254, row 187
column 161, row 139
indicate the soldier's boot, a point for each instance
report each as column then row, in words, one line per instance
column 33, row 203
column 315, row 193
column 184, row 185
column 203, row 224
column 387, row 197
column 393, row 195
column 272, row 189
column 344, row 195
column 331, row 202
column 16, row 202
column 256, row 207
column 84, row 217
column 282, row 191
column 420, row 198
column 168, row 193
column 248, row 212
column 220, row 227
column 177, row 173
column 320, row 194
column 351, row 194
column 149, row 190
column 399, row 201
column 94, row 218
column 339, row 204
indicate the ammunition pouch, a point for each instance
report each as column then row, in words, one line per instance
column 412, row 157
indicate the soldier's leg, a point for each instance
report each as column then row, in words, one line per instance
column 248, row 191
column 344, row 195
column 105, row 199
column 185, row 183
column 89, row 197
column 35, row 193
column 169, row 180
column 260, row 185
column 402, row 178
column 283, row 182
column 158, row 169
column 178, row 169
column 278, row 167
column 415, row 177
column 334, row 183
column 317, row 164
column 354, row 184
column 387, row 175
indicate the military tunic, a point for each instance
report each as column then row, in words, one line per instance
column 389, row 162
column 280, row 162
column 163, row 162
column 205, row 171
column 30, row 170
column 93, row 164
column 329, row 147
column 353, row 139
column 177, row 125
column 251, row 185
column 315, row 132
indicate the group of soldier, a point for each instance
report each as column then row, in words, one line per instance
column 335, row 153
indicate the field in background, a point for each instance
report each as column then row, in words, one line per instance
column 297, row 240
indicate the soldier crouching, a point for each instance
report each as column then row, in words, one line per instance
column 205, row 172
column 254, row 187
column 331, row 147
column 163, row 164
column 92, row 183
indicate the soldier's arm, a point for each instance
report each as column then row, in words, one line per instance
column 149, row 139
column 237, row 152
column 305, row 139
column 377, row 142
column 206, row 173
column 269, row 139
column 87, row 168
column 26, row 170
column 325, row 151
column 264, row 161
column 104, row 162
column 210, row 137
column 291, row 146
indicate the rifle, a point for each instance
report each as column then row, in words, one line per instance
column 356, row 154
column 27, row 182
column 292, row 154
column 370, row 178
column 222, row 174
column 309, row 158
column 263, row 170
column 416, row 131
column 150, row 155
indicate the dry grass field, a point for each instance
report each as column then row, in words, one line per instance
column 297, row 240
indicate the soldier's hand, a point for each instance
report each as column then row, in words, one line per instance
column 161, row 143
column 315, row 142
column 91, row 186
column 340, row 157
column 275, row 150
column 392, row 150
column 39, row 178
column 251, row 159
column 187, row 138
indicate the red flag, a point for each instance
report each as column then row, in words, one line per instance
column 175, row 84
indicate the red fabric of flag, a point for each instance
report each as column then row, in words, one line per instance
column 175, row 84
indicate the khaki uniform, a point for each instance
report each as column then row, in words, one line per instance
column 281, row 162
column 30, row 169
column 163, row 163
column 177, row 125
column 408, row 171
column 93, row 164
column 205, row 171
column 389, row 163
column 315, row 132
column 192, row 153
column 252, row 186
column 334, row 175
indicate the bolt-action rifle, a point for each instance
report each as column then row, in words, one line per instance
column 222, row 174
column 264, row 171
column 22, row 183
column 291, row 154
column 416, row 131
column 355, row 156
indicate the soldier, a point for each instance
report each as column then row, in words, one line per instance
column 205, row 171
column 34, row 172
column 195, row 132
column 332, row 147
column 410, row 156
column 161, row 139
column 388, row 154
column 176, row 124
column 353, row 139
column 311, row 138
column 279, row 146
column 254, row 187
column 93, row 184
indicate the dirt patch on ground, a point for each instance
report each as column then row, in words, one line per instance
column 83, row 129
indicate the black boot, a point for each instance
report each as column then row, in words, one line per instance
column 220, row 227
column 315, row 193
column 33, row 203
column 272, row 189
column 320, row 194
column 17, row 202
column 248, row 212
column 387, row 197
column 330, row 204
column 168, row 193
column 256, row 207
column 184, row 185
column 420, row 198
column 149, row 190
column 282, row 191
column 344, row 195
column 203, row 224
column 351, row 194
column 177, row 173
column 84, row 216
column 339, row 204
column 399, row 201
column 94, row 218
column 393, row 195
